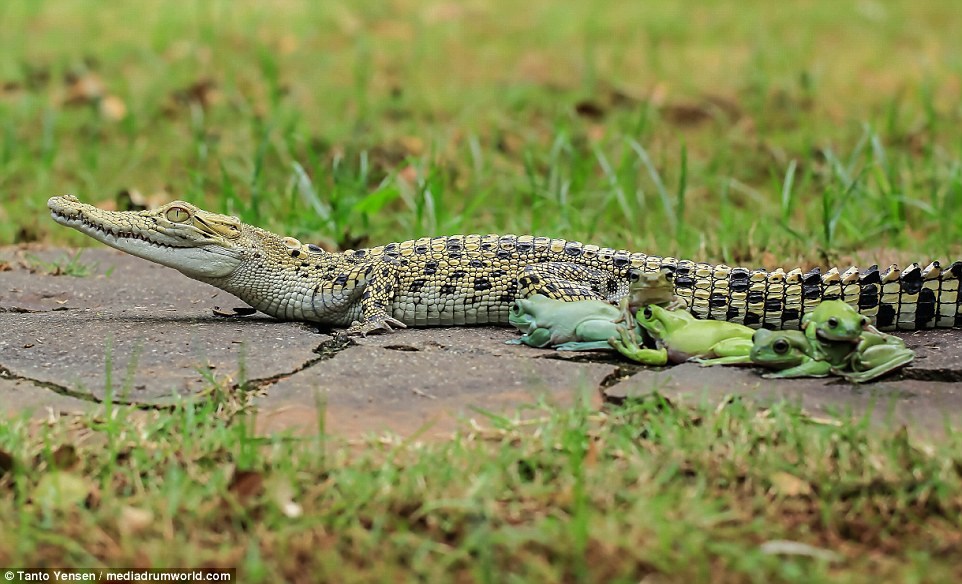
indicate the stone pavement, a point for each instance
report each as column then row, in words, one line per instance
column 147, row 335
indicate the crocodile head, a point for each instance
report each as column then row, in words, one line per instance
column 178, row 235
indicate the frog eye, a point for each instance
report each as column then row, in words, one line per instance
column 833, row 322
column 516, row 308
column 864, row 321
column 177, row 214
column 648, row 313
column 633, row 276
column 780, row 346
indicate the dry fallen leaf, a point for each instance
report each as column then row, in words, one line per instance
column 287, row 44
column 61, row 490
column 408, row 174
column 590, row 109
column 789, row 485
column 686, row 113
column 7, row 462
column 591, row 456
column 246, row 484
column 596, row 133
column 282, row 493
column 202, row 92
column 134, row 520
column 412, row 144
column 65, row 457
column 783, row 547
column 113, row 108
column 134, row 200
column 83, row 88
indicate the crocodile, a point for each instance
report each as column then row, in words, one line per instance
column 475, row 279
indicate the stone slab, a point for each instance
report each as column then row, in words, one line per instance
column 19, row 397
column 926, row 405
column 56, row 330
column 155, row 324
column 387, row 385
column 116, row 281
column 938, row 354
column 149, row 357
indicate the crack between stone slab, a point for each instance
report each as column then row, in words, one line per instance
column 324, row 351
column 621, row 373
column 23, row 310
column 404, row 348
column 944, row 375
column 628, row 369
column 599, row 359
column 67, row 392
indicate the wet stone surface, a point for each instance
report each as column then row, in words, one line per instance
column 152, row 332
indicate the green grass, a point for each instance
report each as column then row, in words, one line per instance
column 644, row 489
column 806, row 130
column 66, row 265
column 754, row 132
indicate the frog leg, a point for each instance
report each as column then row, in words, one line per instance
column 626, row 343
column 897, row 359
column 593, row 335
column 677, row 303
column 730, row 360
column 653, row 357
column 811, row 368
column 537, row 338
column 584, row 346
column 728, row 352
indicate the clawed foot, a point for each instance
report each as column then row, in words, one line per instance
column 234, row 312
column 378, row 324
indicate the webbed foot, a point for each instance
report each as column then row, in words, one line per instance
column 896, row 362
column 627, row 344
column 730, row 360
column 585, row 346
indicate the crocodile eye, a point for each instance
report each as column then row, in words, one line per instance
column 833, row 322
column 780, row 346
column 177, row 214
column 648, row 313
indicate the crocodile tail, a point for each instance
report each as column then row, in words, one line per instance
column 910, row 299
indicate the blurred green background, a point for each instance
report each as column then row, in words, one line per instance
column 752, row 132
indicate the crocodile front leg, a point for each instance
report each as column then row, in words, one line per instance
column 378, row 280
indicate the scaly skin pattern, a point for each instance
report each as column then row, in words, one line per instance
column 474, row 279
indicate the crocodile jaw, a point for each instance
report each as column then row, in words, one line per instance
column 147, row 235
